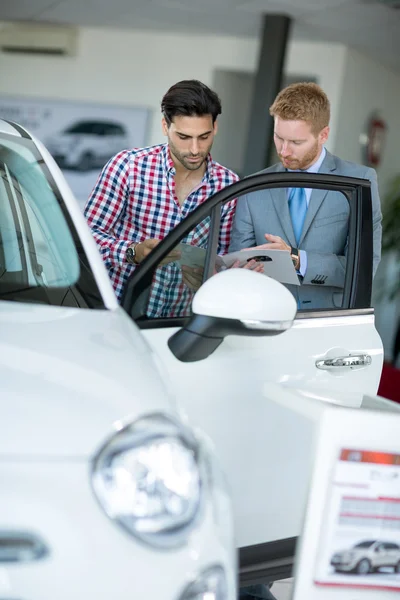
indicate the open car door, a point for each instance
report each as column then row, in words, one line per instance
column 227, row 346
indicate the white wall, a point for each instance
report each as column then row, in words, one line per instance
column 325, row 62
column 126, row 67
column 367, row 87
column 132, row 67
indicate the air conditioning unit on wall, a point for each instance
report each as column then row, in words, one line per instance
column 35, row 38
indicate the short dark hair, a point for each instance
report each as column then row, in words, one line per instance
column 190, row 98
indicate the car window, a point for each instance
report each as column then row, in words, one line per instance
column 117, row 130
column 100, row 129
column 390, row 546
column 171, row 282
column 364, row 544
column 81, row 127
column 177, row 277
column 41, row 258
column 114, row 129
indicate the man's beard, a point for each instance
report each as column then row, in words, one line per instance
column 305, row 162
column 183, row 157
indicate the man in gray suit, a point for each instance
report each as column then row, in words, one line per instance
column 310, row 224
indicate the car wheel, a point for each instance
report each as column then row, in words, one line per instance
column 363, row 567
column 86, row 162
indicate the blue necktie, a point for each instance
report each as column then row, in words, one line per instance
column 298, row 210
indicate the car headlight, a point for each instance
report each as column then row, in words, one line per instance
column 148, row 479
column 210, row 585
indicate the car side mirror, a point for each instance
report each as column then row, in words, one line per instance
column 233, row 302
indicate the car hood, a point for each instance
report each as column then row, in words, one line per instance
column 68, row 375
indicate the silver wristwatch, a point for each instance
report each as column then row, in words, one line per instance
column 131, row 255
column 294, row 255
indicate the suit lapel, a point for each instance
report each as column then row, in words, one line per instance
column 280, row 202
column 317, row 196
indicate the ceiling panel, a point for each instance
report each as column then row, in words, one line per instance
column 363, row 24
column 382, row 45
column 291, row 7
column 85, row 12
column 178, row 19
column 198, row 5
column 23, row 9
column 277, row 7
column 353, row 17
column 307, row 5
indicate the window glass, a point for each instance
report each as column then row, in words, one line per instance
column 81, row 127
column 41, row 258
column 312, row 266
column 266, row 219
column 364, row 544
column 390, row 546
column 179, row 276
column 117, row 130
column 100, row 129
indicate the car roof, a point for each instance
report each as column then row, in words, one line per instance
column 368, row 542
column 13, row 128
column 95, row 122
column 376, row 541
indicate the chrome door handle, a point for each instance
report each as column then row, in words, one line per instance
column 353, row 361
column 21, row 546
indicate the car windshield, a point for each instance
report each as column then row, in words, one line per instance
column 367, row 544
column 41, row 258
column 83, row 127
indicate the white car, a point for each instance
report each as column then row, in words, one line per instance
column 87, row 145
column 367, row 556
column 255, row 375
column 106, row 492
column 246, row 367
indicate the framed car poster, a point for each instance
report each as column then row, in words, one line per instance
column 360, row 543
column 81, row 136
column 349, row 546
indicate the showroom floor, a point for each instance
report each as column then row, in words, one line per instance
column 282, row 590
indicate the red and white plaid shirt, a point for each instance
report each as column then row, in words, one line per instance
column 134, row 199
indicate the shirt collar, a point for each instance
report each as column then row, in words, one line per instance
column 168, row 163
column 209, row 167
column 169, row 166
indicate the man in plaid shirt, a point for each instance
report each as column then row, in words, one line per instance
column 143, row 193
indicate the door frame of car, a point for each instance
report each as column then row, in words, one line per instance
column 271, row 560
column 358, row 281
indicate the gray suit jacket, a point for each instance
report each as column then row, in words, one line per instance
column 324, row 235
